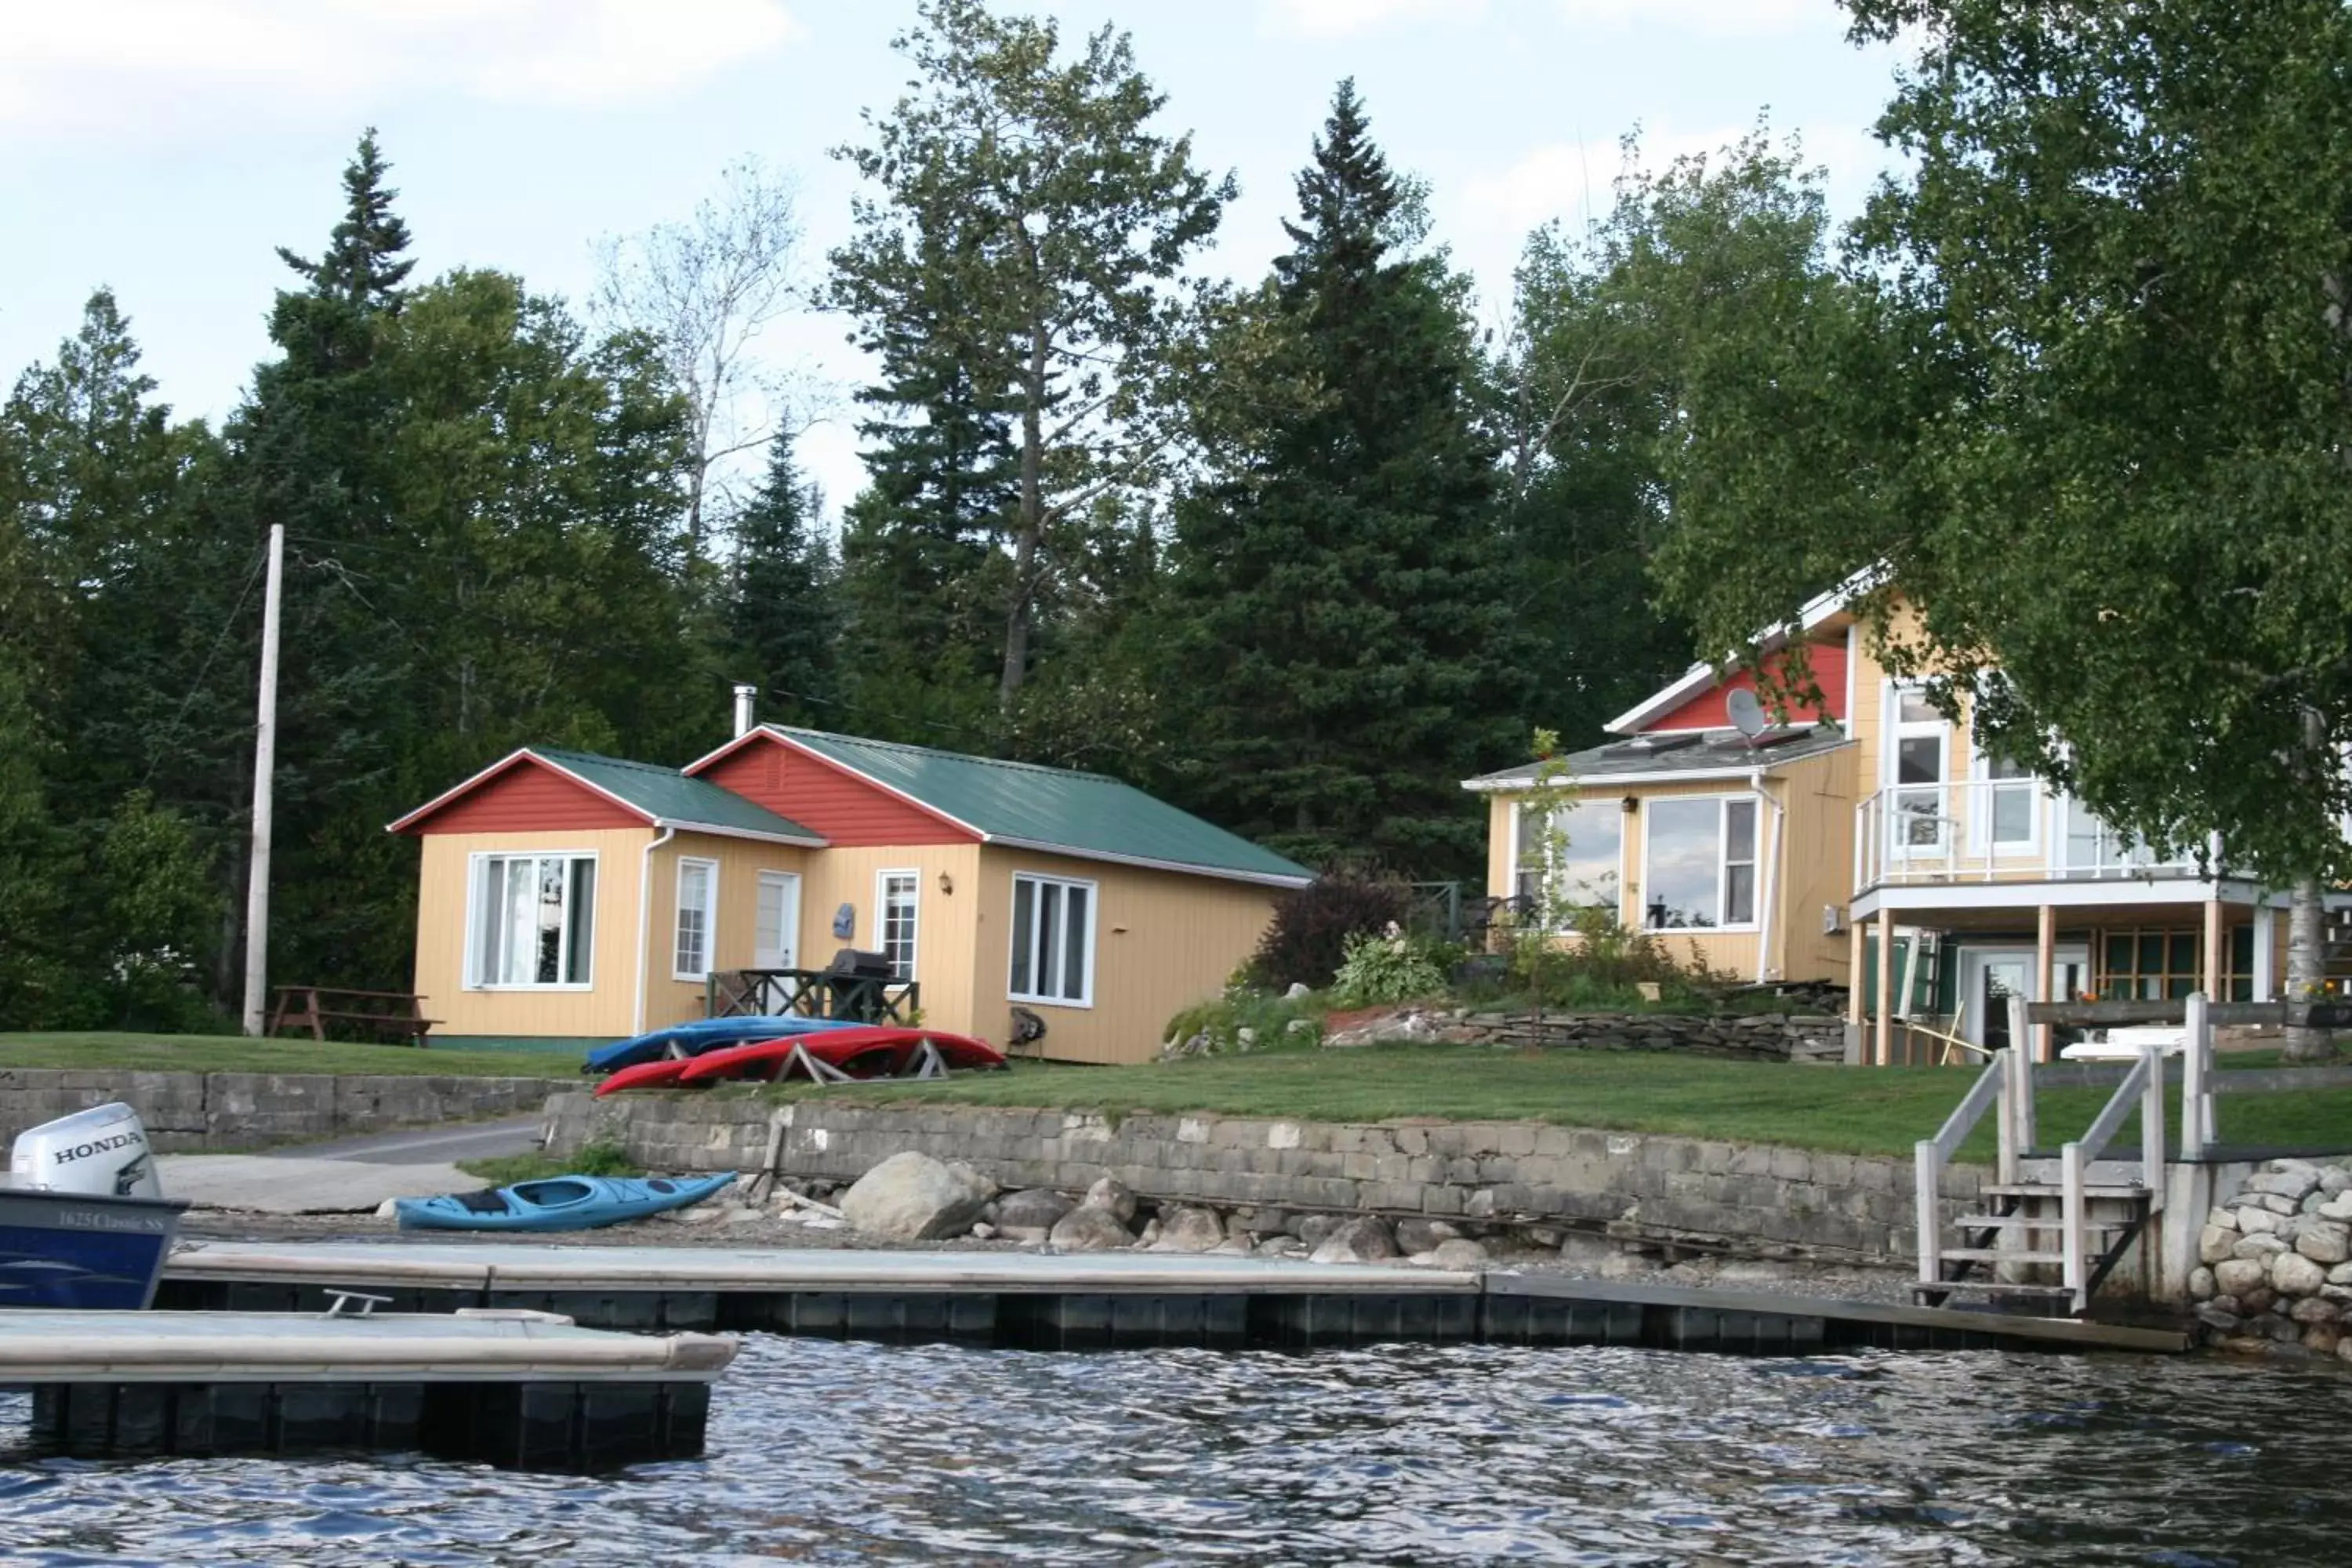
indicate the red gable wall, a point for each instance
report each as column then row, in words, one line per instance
column 847, row 810
column 529, row 797
column 1708, row 712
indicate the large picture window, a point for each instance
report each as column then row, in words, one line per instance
column 534, row 920
column 1701, row 863
column 1053, row 941
column 894, row 894
column 1579, row 860
column 698, row 918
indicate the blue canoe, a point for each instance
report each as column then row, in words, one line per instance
column 558, row 1203
column 703, row 1034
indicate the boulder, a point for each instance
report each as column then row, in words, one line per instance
column 1364, row 1239
column 2224, row 1219
column 2324, row 1241
column 2290, row 1183
column 1032, row 1208
column 1235, row 1246
column 2200, row 1285
column 1281, row 1247
column 913, row 1197
column 1313, row 1229
column 2285, row 1331
column 2310, row 1310
column 2343, row 1348
column 2236, row 1276
column 2338, row 1207
column 2257, row 1302
column 2322, row 1339
column 1583, row 1252
column 1190, row 1230
column 1454, row 1252
column 1627, row 1266
column 985, row 1231
column 1415, row 1235
column 1297, row 991
column 1114, row 1197
column 1090, row 1228
column 2257, row 1221
column 2334, row 1179
column 2214, row 1244
column 2261, row 1245
column 2292, row 1274
column 2340, row 1274
column 2212, row 1317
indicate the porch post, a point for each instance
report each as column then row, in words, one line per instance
column 1882, row 1047
column 2045, row 976
column 1855, row 1013
column 2216, row 984
column 2265, row 949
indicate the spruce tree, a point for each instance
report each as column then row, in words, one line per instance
column 1337, row 584
column 783, row 617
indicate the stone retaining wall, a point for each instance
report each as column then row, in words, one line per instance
column 1772, row 1038
column 189, row 1112
column 1745, row 1197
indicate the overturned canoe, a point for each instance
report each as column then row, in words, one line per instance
column 703, row 1034
column 559, row 1203
column 873, row 1053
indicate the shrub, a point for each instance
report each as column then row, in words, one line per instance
column 1308, row 937
column 1273, row 1023
column 1379, row 969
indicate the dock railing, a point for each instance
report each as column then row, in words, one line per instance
column 2141, row 1089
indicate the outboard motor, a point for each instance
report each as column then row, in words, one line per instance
column 99, row 1153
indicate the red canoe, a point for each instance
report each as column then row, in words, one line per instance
column 881, row 1052
column 662, row 1074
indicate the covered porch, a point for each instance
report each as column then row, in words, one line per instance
column 1936, row 965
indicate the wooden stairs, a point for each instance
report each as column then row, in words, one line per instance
column 2014, row 1257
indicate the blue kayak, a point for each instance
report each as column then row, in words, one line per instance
column 559, row 1203
column 691, row 1039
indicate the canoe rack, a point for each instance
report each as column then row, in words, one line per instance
column 926, row 1062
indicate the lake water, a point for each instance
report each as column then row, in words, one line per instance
column 829, row 1452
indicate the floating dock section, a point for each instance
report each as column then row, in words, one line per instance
column 524, row 1390
column 1045, row 1301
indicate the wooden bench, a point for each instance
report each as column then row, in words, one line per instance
column 380, row 1015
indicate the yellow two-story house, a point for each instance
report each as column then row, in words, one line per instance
column 1868, row 841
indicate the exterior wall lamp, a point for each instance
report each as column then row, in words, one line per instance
column 946, row 883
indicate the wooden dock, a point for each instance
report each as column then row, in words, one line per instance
column 1036, row 1300
column 522, row 1389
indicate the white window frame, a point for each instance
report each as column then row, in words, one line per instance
column 1037, row 879
column 882, row 880
column 1980, row 820
column 1616, row 907
column 1723, row 865
column 477, row 871
column 1893, row 732
column 710, row 919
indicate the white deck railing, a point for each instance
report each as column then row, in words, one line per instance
column 1992, row 830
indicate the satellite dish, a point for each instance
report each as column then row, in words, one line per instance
column 1746, row 712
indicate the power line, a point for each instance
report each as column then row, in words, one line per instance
column 155, row 754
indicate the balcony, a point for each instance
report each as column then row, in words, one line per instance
column 1993, row 830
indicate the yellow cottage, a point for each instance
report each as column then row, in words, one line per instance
column 577, row 898
column 1869, row 842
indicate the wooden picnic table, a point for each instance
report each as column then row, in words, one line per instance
column 382, row 1015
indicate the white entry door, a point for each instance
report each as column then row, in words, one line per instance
column 779, row 922
column 1990, row 976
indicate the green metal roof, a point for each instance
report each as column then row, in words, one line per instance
column 1086, row 814
column 671, row 796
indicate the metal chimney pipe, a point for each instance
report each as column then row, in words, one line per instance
column 745, row 696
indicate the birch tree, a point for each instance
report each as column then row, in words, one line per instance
column 707, row 290
column 2096, row 415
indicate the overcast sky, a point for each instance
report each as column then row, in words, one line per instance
column 163, row 147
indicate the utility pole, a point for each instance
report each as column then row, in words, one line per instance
column 265, row 762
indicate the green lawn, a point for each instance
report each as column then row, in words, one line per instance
column 1853, row 1110
column 234, row 1053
